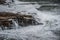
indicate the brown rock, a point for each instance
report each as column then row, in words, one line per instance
column 2, row 1
column 5, row 16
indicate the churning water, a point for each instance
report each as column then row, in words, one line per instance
column 15, row 24
column 50, row 30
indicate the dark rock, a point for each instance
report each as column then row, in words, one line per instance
column 23, row 20
column 2, row 1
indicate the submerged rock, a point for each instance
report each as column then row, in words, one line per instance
column 49, row 7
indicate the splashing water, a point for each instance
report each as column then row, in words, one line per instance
column 15, row 23
column 35, row 32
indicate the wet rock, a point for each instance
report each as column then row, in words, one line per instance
column 49, row 7
column 22, row 19
column 2, row 1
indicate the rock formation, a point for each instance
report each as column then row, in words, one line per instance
column 23, row 20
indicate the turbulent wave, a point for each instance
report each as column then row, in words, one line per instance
column 50, row 30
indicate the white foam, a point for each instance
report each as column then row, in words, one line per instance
column 36, row 32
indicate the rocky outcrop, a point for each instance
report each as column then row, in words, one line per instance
column 23, row 20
